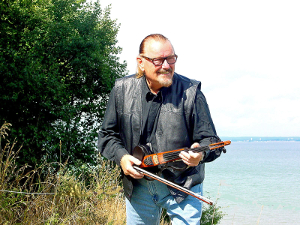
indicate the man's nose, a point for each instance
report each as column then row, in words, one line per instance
column 165, row 64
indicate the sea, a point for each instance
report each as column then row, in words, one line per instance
column 256, row 182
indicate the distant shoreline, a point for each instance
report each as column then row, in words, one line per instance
column 254, row 139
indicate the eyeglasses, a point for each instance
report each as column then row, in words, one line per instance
column 159, row 61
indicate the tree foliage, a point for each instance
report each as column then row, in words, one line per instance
column 58, row 63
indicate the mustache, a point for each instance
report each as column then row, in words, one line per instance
column 163, row 71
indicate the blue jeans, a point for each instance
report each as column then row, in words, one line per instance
column 148, row 199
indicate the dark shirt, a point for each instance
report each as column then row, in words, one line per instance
column 150, row 107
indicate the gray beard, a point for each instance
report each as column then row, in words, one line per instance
column 165, row 82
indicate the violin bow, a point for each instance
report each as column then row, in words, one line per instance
column 171, row 184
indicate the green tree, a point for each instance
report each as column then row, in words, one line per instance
column 58, row 62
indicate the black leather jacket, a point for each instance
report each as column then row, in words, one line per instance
column 184, row 119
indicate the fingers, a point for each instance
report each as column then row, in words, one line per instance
column 195, row 145
column 192, row 158
column 127, row 163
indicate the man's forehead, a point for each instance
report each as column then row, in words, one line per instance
column 158, row 47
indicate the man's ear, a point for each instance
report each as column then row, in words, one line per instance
column 140, row 63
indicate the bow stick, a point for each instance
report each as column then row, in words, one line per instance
column 171, row 184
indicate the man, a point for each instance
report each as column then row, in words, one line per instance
column 164, row 111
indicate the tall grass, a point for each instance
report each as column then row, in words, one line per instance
column 57, row 198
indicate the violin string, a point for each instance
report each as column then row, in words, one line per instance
column 174, row 155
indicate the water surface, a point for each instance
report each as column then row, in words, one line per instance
column 257, row 183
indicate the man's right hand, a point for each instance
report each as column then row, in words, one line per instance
column 127, row 162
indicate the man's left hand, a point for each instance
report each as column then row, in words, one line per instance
column 192, row 158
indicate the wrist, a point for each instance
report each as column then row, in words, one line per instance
column 203, row 157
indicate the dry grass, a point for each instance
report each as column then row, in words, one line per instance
column 71, row 200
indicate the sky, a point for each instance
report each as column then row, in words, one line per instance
column 245, row 53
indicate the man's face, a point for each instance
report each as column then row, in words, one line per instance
column 157, row 76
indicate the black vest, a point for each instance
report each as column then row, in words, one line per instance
column 174, row 125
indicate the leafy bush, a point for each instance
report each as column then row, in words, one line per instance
column 58, row 63
column 211, row 214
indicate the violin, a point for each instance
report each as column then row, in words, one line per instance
column 151, row 160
